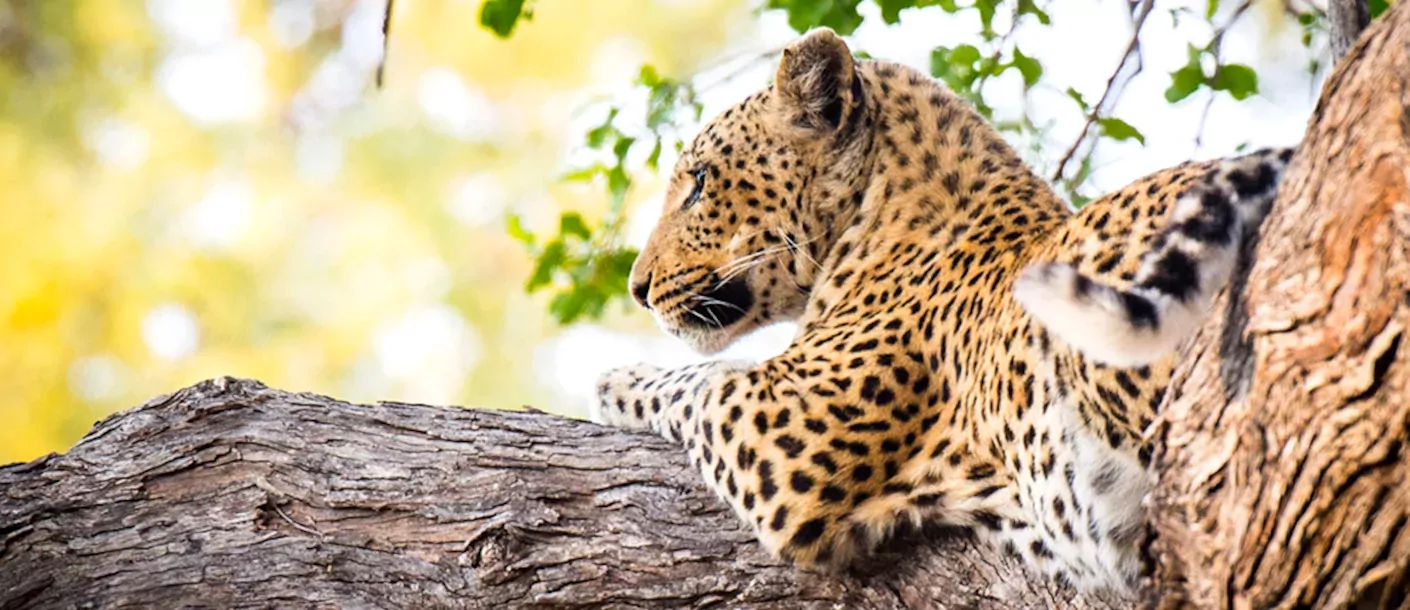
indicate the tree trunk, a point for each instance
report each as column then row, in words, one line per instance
column 229, row 493
column 1284, row 466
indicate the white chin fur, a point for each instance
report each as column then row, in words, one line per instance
column 706, row 342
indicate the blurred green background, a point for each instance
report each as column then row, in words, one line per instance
column 195, row 188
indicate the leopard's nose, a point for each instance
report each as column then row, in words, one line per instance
column 641, row 290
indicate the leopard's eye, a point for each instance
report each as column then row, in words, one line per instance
column 697, row 190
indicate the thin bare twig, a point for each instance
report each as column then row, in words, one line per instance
column 1215, row 44
column 1131, row 49
column 746, row 61
column 386, row 41
column 1204, row 118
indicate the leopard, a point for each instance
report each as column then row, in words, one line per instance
column 971, row 352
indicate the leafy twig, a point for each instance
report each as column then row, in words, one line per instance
column 1214, row 48
column 1132, row 49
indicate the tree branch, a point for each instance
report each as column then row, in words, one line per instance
column 230, row 492
column 1345, row 20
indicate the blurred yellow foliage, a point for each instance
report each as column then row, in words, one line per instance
column 194, row 189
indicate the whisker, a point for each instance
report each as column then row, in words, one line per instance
column 750, row 257
column 740, row 270
column 798, row 247
column 713, row 301
column 697, row 314
column 730, row 268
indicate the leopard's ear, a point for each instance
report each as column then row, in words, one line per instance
column 816, row 86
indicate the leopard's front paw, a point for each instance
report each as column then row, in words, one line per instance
column 620, row 401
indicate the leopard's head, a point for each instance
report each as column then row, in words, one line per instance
column 757, row 200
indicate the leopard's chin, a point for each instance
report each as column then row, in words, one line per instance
column 706, row 342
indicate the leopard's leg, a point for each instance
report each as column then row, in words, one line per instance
column 647, row 397
column 771, row 450
column 1186, row 265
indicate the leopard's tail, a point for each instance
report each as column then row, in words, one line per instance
column 1189, row 263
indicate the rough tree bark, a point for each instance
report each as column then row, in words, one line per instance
column 1282, row 479
column 1284, row 468
column 229, row 493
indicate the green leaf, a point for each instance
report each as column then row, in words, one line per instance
column 1077, row 97
column 648, row 77
column 955, row 67
column 1239, row 80
column 621, row 147
column 617, row 184
column 1184, row 82
column 844, row 17
column 1031, row 69
column 964, row 55
column 567, row 307
column 1118, row 129
column 1377, row 7
column 1211, row 7
column 584, row 174
column 571, row 223
column 664, row 97
column 515, row 227
column 597, row 136
column 500, row 16
column 804, row 15
column 550, row 260
column 653, row 160
column 620, row 262
column 1029, row 7
column 891, row 9
column 1193, row 54
column 987, row 8
column 939, row 62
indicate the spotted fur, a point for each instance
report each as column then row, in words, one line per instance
column 874, row 207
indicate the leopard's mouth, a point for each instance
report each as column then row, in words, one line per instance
column 720, row 307
column 709, row 320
